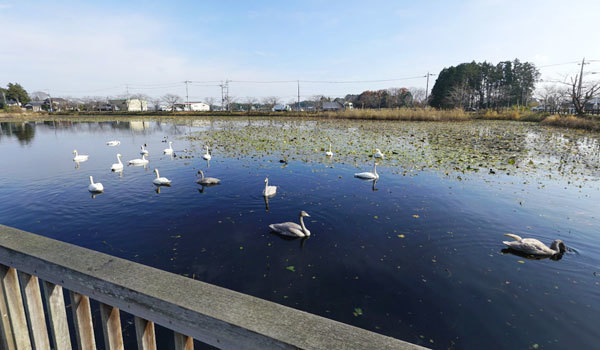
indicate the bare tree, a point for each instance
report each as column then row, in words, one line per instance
column 38, row 95
column 458, row 97
column 317, row 100
column 582, row 93
column 171, row 100
column 418, row 96
column 139, row 96
column 270, row 101
column 229, row 100
column 250, row 101
column 155, row 103
column 210, row 101
column 553, row 97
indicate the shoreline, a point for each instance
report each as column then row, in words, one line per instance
column 591, row 123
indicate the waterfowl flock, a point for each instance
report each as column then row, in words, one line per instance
column 528, row 246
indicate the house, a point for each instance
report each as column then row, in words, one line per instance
column 193, row 106
column 348, row 105
column 54, row 104
column 35, row 106
column 129, row 105
column 331, row 106
column 281, row 108
column 13, row 103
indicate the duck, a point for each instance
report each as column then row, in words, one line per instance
column 139, row 161
column 533, row 246
column 161, row 181
column 113, row 143
column 95, row 187
column 329, row 153
column 79, row 157
column 170, row 149
column 207, row 155
column 378, row 154
column 144, row 151
column 117, row 166
column 269, row 191
column 368, row 175
column 207, row 181
column 292, row 229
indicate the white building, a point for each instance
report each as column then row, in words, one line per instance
column 193, row 106
column 281, row 108
column 129, row 105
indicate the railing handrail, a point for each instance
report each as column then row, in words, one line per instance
column 211, row 314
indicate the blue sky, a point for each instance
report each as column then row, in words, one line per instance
column 96, row 48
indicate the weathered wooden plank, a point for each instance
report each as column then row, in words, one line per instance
column 211, row 314
column 57, row 316
column 16, row 309
column 82, row 318
column 183, row 342
column 111, row 327
column 144, row 331
column 7, row 341
column 34, row 309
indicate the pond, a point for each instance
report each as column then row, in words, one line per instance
column 418, row 255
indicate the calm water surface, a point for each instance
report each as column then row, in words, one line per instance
column 417, row 256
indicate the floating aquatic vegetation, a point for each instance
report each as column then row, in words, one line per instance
column 484, row 147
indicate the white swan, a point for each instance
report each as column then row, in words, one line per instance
column 292, row 229
column 117, row 166
column 95, row 187
column 207, row 155
column 79, row 157
column 329, row 153
column 113, row 143
column 139, row 161
column 534, row 247
column 269, row 191
column 144, row 151
column 161, row 181
column 378, row 154
column 207, row 181
column 369, row 175
column 170, row 149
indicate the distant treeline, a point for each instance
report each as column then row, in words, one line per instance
column 484, row 85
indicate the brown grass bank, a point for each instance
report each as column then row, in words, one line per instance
column 414, row 114
column 572, row 122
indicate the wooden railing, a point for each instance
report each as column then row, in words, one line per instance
column 191, row 309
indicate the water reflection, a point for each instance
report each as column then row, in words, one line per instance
column 24, row 132
column 554, row 257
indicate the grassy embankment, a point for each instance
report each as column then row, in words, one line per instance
column 591, row 123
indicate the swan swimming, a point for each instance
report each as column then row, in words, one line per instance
column 138, row 161
column 533, row 246
column 378, row 154
column 79, row 157
column 161, row 181
column 117, row 166
column 144, row 151
column 207, row 181
column 170, row 149
column 207, row 155
column 329, row 153
column 113, row 143
column 368, row 175
column 269, row 191
column 292, row 229
column 95, row 187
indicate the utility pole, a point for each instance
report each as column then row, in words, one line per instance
column 187, row 97
column 298, row 108
column 427, row 87
column 224, row 94
column 581, row 77
column 127, row 91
